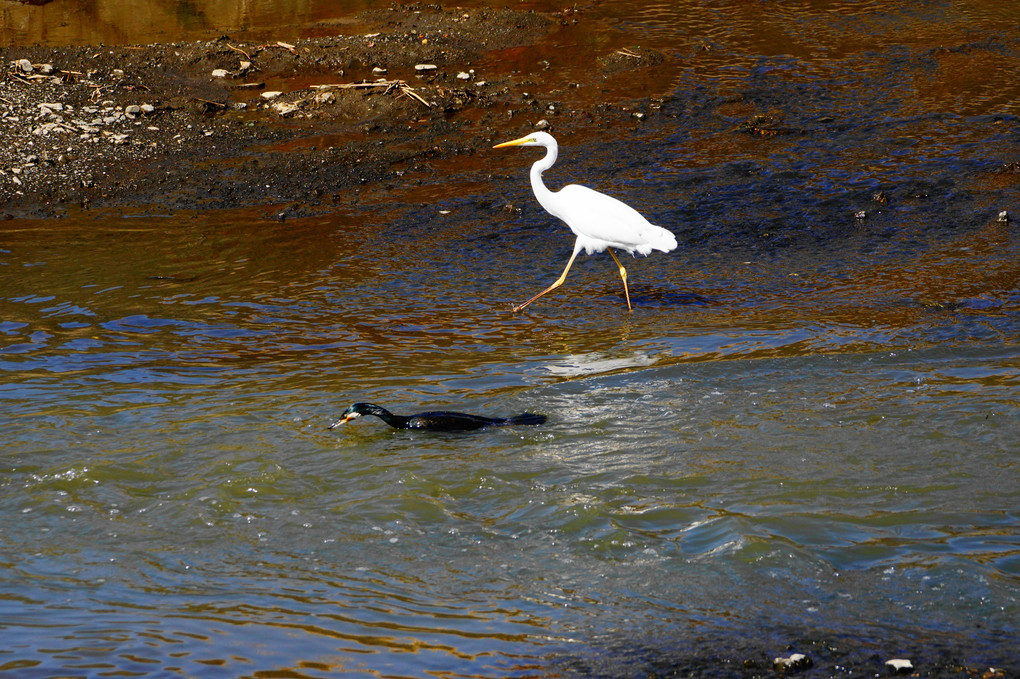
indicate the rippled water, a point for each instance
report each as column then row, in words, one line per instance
column 806, row 430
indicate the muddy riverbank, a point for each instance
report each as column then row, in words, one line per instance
column 299, row 126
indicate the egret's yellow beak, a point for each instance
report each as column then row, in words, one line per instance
column 515, row 142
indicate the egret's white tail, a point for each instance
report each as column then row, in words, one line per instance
column 656, row 238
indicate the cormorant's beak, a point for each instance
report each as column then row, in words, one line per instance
column 343, row 420
column 515, row 142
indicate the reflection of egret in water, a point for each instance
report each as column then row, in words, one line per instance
column 600, row 222
column 597, row 362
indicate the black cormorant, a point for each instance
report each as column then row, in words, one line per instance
column 435, row 421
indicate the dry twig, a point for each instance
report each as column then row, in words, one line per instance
column 216, row 104
column 238, row 49
column 390, row 85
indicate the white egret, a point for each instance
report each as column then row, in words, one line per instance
column 600, row 222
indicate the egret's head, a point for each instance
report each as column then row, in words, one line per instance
column 534, row 139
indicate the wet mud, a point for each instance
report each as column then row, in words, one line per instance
column 301, row 126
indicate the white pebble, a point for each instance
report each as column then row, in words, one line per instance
column 899, row 665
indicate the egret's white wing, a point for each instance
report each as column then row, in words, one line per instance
column 601, row 221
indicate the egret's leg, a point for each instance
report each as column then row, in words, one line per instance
column 623, row 275
column 557, row 283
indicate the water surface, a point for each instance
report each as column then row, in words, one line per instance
column 804, row 433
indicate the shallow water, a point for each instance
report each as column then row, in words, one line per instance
column 805, row 430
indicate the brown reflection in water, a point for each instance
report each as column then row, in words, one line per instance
column 119, row 22
column 978, row 265
column 123, row 22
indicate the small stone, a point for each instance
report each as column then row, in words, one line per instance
column 639, row 115
column 464, row 75
column 425, row 68
column 899, row 665
column 32, row 158
column 45, row 129
column 378, row 70
column 46, row 69
column 133, row 110
column 795, row 663
column 25, row 65
column 220, row 73
column 118, row 73
column 1003, row 217
column 325, row 98
column 542, row 124
column 481, row 83
column 284, row 108
column 245, row 65
column 271, row 94
column 860, row 214
column 147, row 108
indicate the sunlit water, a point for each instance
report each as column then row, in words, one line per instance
column 807, row 428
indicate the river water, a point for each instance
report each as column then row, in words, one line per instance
column 804, row 437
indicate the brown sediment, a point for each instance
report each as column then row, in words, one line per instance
column 152, row 126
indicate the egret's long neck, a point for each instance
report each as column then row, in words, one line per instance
column 543, row 194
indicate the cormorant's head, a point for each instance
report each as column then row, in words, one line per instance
column 355, row 411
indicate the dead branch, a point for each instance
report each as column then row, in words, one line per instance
column 238, row 49
column 389, row 85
